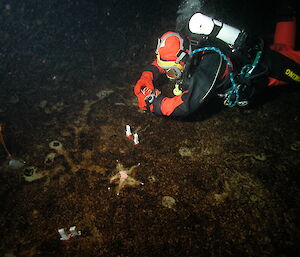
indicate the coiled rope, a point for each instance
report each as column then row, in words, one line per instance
column 232, row 92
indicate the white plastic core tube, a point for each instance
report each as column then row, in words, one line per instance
column 204, row 25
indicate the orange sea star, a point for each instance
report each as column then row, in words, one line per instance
column 125, row 177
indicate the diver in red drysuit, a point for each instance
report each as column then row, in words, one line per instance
column 232, row 70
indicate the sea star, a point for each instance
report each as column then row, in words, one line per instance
column 125, row 177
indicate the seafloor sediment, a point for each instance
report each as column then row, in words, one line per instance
column 224, row 182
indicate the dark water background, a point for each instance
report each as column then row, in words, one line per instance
column 223, row 183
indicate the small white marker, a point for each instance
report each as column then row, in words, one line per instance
column 63, row 235
column 74, row 232
column 136, row 139
column 128, row 132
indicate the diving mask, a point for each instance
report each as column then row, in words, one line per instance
column 172, row 68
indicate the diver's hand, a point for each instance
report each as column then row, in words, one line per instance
column 144, row 81
column 141, row 102
column 146, row 98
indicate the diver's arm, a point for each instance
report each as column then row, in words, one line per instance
column 149, row 75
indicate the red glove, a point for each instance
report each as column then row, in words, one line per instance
column 144, row 81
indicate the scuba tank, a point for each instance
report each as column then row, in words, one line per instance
column 203, row 27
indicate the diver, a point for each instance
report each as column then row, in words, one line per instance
column 207, row 57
